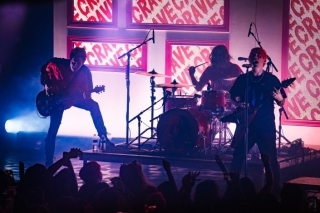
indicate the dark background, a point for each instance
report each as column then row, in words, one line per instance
column 21, row 55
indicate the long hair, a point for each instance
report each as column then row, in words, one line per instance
column 219, row 56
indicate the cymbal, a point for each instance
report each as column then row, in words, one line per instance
column 152, row 74
column 230, row 79
column 173, row 84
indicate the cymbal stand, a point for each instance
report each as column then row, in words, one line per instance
column 224, row 133
column 153, row 130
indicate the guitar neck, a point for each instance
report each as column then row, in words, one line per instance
column 70, row 97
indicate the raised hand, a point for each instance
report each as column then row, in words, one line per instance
column 73, row 153
column 192, row 70
column 166, row 165
column 189, row 179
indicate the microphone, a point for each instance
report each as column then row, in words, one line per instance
column 249, row 33
column 153, row 36
column 242, row 59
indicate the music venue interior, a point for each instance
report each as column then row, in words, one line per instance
column 141, row 52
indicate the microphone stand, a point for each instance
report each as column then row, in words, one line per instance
column 270, row 63
column 128, row 54
column 280, row 126
column 246, row 134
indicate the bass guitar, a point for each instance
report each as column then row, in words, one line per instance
column 46, row 103
column 238, row 116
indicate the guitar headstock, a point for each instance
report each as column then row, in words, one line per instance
column 287, row 82
column 99, row 89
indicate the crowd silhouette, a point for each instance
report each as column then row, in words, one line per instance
column 55, row 190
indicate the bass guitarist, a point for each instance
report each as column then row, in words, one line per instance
column 264, row 89
column 64, row 77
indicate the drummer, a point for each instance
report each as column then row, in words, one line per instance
column 220, row 74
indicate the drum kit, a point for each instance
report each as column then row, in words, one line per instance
column 190, row 124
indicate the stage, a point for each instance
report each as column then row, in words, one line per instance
column 293, row 165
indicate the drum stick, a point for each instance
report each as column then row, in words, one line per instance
column 200, row 64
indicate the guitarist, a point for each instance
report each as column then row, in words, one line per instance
column 61, row 76
column 264, row 89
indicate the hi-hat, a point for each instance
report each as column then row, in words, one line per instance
column 174, row 84
column 152, row 74
column 230, row 79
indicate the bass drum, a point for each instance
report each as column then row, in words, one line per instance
column 183, row 131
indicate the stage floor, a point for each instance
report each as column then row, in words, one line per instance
column 291, row 166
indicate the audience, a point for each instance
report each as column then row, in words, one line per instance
column 55, row 190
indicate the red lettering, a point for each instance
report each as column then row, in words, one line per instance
column 296, row 31
column 169, row 11
column 311, row 84
column 97, row 51
column 187, row 52
column 307, row 23
column 197, row 60
column 108, row 48
column 178, row 54
column 211, row 4
column 316, row 17
column 175, row 65
column 106, row 8
column 301, row 100
column 162, row 17
column 91, row 3
column 302, row 58
column 296, row 72
column 294, row 5
column 137, row 19
column 221, row 12
column 314, row 114
column 179, row 21
column 152, row 3
column 202, row 6
column 76, row 17
column 178, row 7
column 100, row 16
column 312, row 52
column 316, row 77
column 204, row 54
column 306, row 4
column 115, row 61
column 183, row 78
column 293, row 47
column 187, row 16
column 292, row 105
column 142, row 5
column 79, row 4
column 197, row 15
column 92, row 18
column 214, row 19
column 292, row 24
column 91, row 59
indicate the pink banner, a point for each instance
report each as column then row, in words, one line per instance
column 102, row 55
column 181, row 55
column 303, row 62
column 181, row 14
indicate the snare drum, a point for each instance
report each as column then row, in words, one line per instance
column 214, row 100
column 181, row 131
column 181, row 102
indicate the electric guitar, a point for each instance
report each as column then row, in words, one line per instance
column 238, row 116
column 46, row 103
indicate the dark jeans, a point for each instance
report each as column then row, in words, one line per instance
column 55, row 121
column 265, row 138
